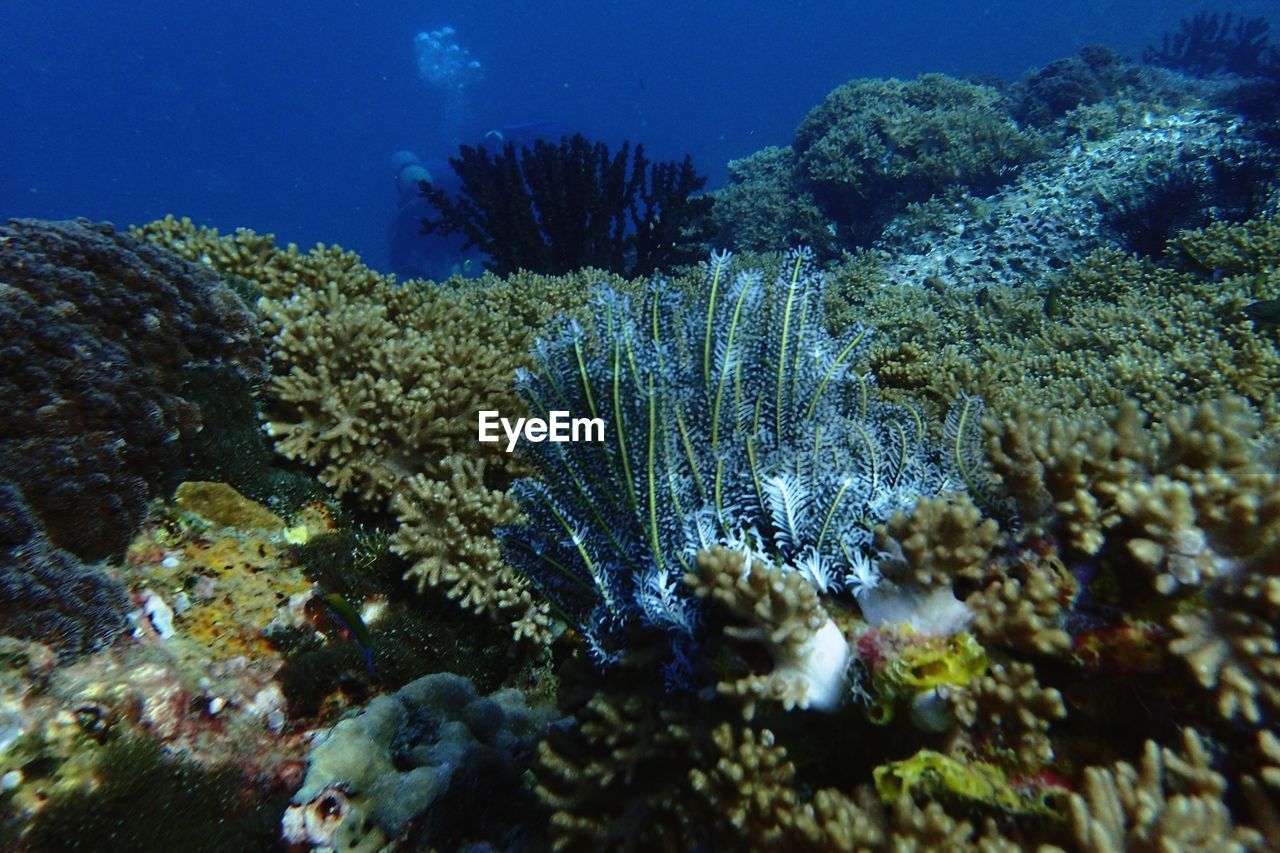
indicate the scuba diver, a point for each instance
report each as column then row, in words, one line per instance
column 438, row 256
column 418, row 255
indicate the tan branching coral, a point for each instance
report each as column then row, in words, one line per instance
column 1161, row 490
column 1262, row 788
column 637, row 775
column 1022, row 610
column 617, row 781
column 751, row 783
column 1189, row 508
column 1171, row 801
column 751, row 786
column 1164, row 538
column 445, row 527
column 780, row 612
column 1010, row 703
column 941, row 539
column 378, row 385
column 1118, row 328
column 1067, row 466
column 1247, row 248
column 1214, row 448
column 1232, row 648
column 244, row 254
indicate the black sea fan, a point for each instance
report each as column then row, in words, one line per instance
column 1209, row 44
column 555, row 207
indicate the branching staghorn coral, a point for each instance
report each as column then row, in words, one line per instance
column 446, row 524
column 1022, row 609
column 1189, row 510
column 941, row 539
column 780, row 612
column 1122, row 330
column 1010, row 702
column 638, row 775
column 1171, row 801
column 377, row 385
column 733, row 420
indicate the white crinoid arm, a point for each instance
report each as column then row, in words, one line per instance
column 864, row 574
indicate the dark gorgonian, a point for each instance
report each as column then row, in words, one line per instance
column 556, row 207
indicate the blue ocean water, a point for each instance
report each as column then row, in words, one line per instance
column 282, row 117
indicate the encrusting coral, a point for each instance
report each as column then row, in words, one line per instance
column 373, row 779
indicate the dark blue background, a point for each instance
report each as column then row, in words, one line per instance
column 281, row 116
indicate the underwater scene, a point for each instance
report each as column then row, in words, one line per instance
column 771, row 426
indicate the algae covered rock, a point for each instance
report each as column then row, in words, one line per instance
column 434, row 763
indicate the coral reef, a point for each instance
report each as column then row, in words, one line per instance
column 829, row 616
column 1012, row 704
column 636, row 776
column 939, row 540
column 189, row 697
column 874, row 146
column 97, row 328
column 554, row 208
column 431, row 764
column 1110, row 329
column 1080, row 198
column 1183, row 518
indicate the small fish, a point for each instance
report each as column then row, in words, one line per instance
column 1265, row 313
column 346, row 619
column 1052, row 304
